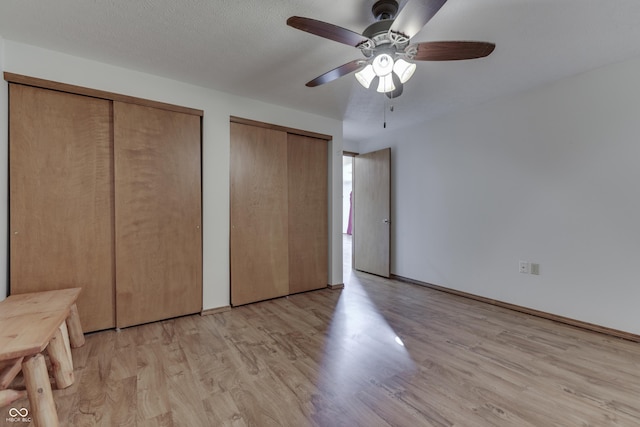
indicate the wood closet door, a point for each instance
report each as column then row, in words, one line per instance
column 308, row 211
column 259, row 212
column 158, row 214
column 60, row 197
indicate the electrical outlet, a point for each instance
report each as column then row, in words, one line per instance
column 535, row 268
column 524, row 267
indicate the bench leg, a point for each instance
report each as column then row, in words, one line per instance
column 43, row 408
column 75, row 328
column 60, row 356
column 8, row 373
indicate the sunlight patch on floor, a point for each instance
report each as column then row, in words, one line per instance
column 356, row 328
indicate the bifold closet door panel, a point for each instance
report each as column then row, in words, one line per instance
column 308, row 213
column 157, row 214
column 259, row 211
column 61, row 205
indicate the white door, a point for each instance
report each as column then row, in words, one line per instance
column 372, row 209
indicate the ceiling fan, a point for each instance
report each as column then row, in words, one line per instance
column 386, row 45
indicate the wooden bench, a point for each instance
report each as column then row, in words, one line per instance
column 29, row 324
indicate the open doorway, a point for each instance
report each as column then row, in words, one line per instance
column 367, row 212
column 347, row 210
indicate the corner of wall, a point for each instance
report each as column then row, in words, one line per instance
column 352, row 146
column 335, row 212
column 4, row 151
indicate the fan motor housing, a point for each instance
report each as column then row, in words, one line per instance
column 378, row 27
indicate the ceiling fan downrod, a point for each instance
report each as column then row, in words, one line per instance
column 384, row 9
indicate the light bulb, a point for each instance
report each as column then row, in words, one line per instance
column 383, row 64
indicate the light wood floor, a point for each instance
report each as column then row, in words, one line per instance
column 376, row 353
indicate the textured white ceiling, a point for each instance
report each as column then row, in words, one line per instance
column 245, row 47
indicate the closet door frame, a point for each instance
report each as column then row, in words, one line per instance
column 95, row 93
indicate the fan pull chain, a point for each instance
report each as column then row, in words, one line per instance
column 384, row 114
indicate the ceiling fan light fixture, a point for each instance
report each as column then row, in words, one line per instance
column 386, row 43
column 386, row 84
column 383, row 64
column 366, row 76
column 404, row 70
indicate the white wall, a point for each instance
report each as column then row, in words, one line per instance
column 36, row 62
column 351, row 146
column 550, row 176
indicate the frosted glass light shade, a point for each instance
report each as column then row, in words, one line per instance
column 386, row 84
column 383, row 64
column 366, row 76
column 404, row 70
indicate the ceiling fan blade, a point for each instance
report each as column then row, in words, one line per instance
column 414, row 15
column 342, row 70
column 452, row 50
column 326, row 30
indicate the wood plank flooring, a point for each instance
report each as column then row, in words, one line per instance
column 377, row 353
